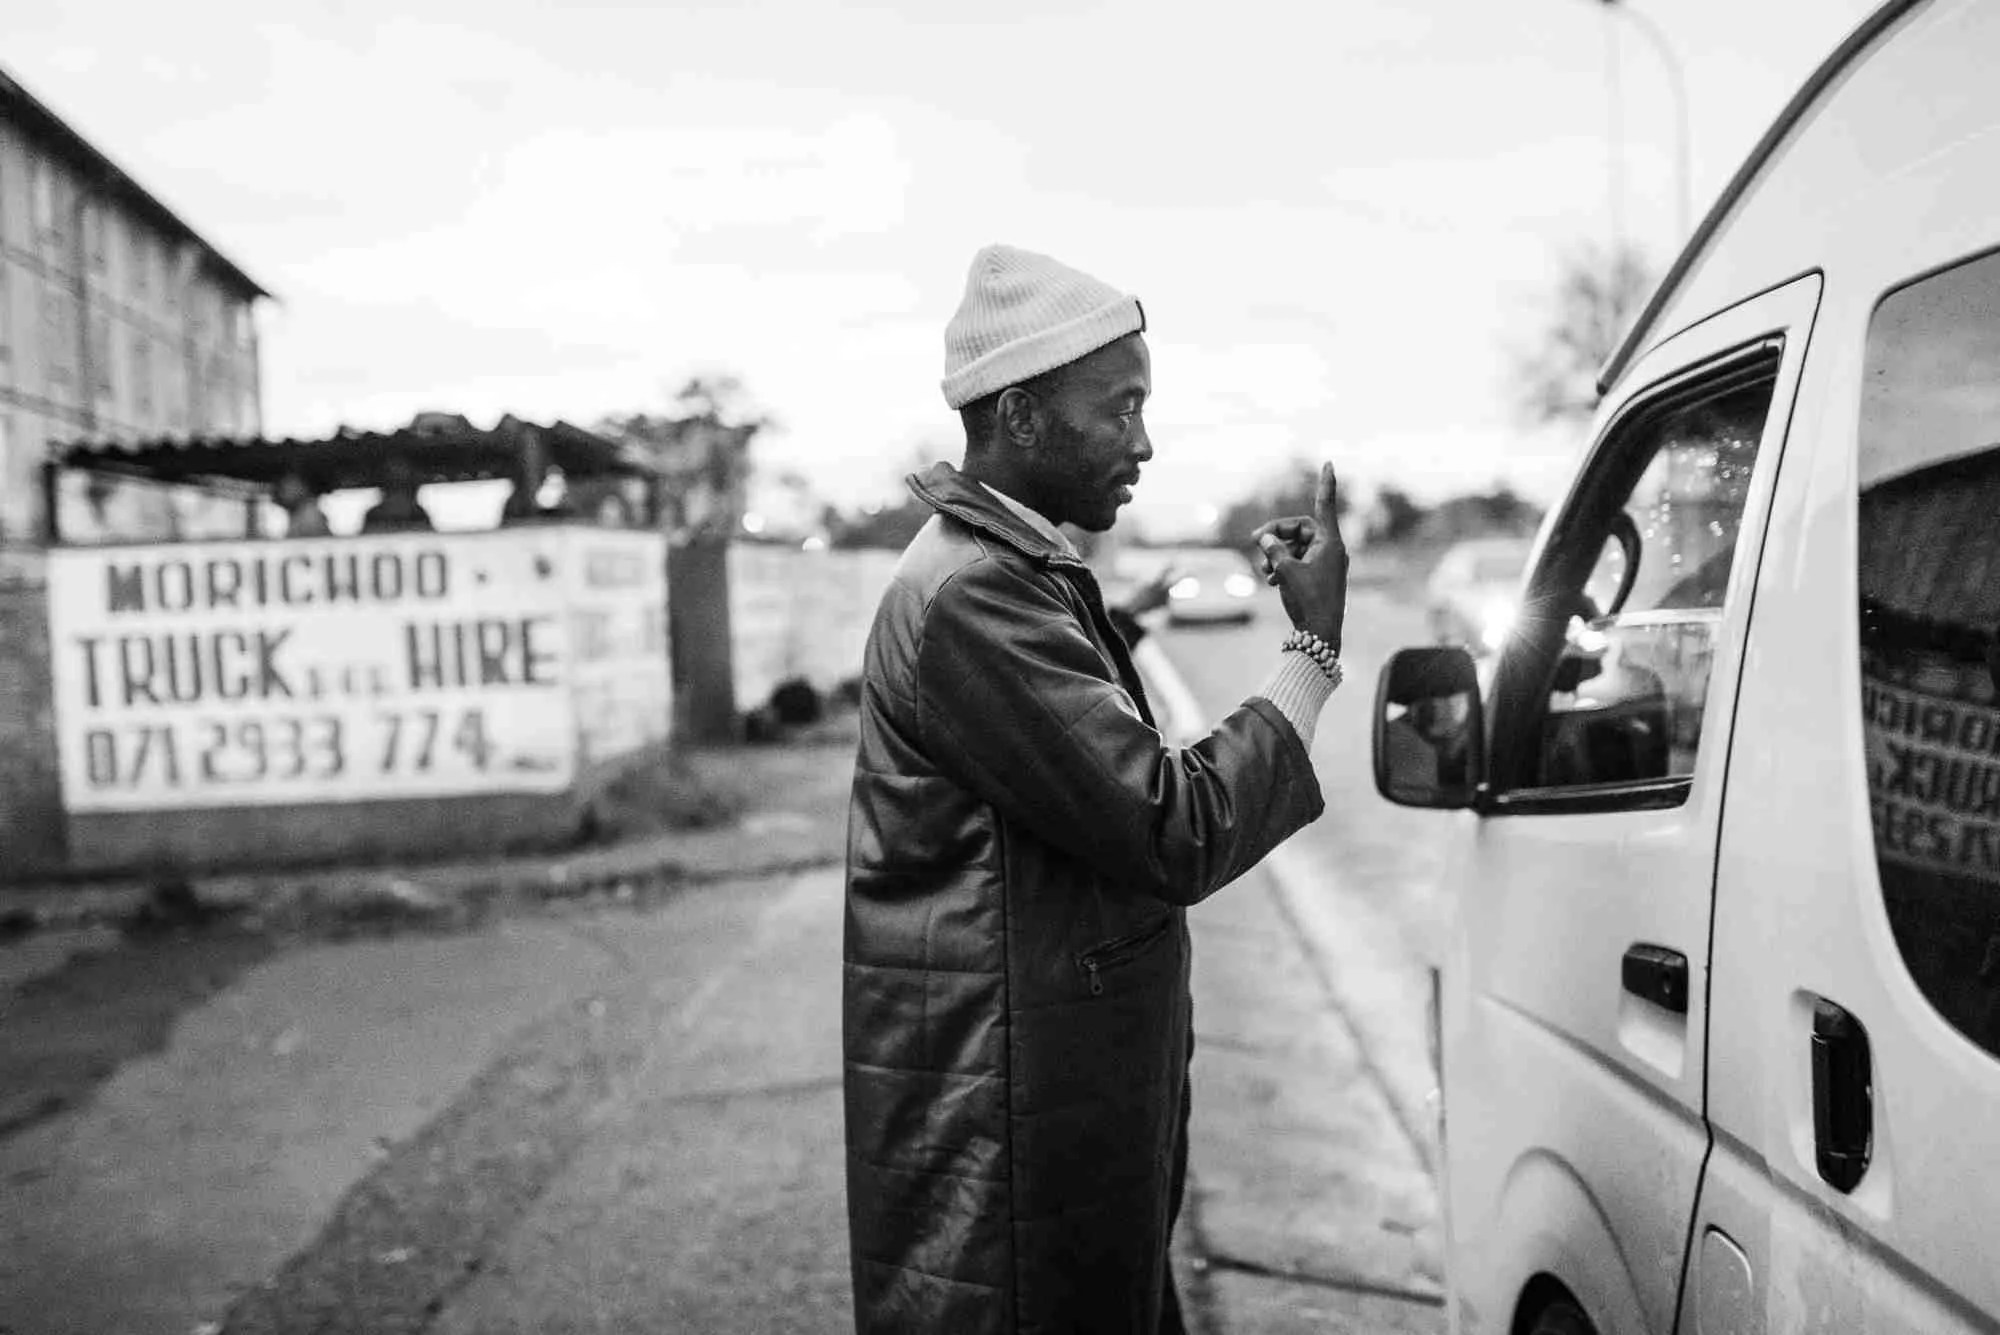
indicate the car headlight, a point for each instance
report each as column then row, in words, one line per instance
column 1496, row 623
column 1187, row 586
column 1239, row 586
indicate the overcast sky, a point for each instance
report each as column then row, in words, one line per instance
column 1339, row 216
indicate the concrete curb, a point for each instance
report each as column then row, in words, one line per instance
column 438, row 895
column 1179, row 714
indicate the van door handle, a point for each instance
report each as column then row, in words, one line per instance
column 1843, row 1087
column 1658, row 975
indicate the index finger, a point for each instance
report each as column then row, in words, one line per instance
column 1326, row 500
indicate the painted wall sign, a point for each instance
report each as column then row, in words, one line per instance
column 347, row 669
column 618, row 645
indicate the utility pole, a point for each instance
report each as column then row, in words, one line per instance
column 1684, row 188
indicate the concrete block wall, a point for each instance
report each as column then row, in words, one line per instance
column 796, row 613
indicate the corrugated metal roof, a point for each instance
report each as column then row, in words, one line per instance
column 440, row 447
column 22, row 108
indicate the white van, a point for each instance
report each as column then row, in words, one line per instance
column 1719, row 1026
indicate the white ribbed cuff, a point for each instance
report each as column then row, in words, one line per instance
column 1299, row 690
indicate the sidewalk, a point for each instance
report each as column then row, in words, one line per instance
column 1308, row 1210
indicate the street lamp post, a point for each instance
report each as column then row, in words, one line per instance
column 1679, row 84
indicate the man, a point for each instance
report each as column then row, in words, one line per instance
column 1022, row 845
column 303, row 516
column 399, row 510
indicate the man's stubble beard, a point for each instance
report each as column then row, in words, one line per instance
column 1089, row 502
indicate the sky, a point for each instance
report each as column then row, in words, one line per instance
column 1342, row 219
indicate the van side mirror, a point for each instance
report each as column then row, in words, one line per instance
column 1430, row 729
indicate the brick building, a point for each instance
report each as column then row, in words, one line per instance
column 117, row 321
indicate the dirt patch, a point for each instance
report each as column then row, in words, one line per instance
column 64, row 1033
column 663, row 790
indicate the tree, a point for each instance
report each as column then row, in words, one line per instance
column 1290, row 492
column 887, row 526
column 1478, row 514
column 702, row 449
column 1397, row 515
column 719, row 398
column 1598, row 294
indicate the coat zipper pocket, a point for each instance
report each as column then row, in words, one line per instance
column 1117, row 952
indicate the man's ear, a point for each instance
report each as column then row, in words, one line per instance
column 1017, row 418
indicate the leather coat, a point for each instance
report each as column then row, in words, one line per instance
column 1021, row 848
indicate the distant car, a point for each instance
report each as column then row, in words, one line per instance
column 1211, row 584
column 1472, row 591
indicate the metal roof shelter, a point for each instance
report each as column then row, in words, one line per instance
column 437, row 447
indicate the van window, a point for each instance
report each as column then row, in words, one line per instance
column 1929, row 572
column 1634, row 585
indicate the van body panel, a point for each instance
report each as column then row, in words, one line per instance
column 1554, row 1072
column 1555, row 1225
column 1796, row 1280
column 1830, row 1078
column 1575, row 1206
column 1800, row 909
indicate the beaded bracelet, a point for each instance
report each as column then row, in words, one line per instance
column 1324, row 656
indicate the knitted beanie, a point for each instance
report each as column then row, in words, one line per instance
column 1024, row 314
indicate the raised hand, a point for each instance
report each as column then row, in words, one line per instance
column 1305, row 557
column 1153, row 593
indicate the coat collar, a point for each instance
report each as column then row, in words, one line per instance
column 950, row 492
